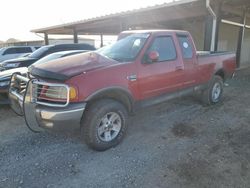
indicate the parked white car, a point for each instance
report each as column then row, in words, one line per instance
column 12, row 52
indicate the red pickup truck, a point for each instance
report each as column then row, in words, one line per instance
column 97, row 90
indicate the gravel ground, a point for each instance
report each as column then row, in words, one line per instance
column 175, row 144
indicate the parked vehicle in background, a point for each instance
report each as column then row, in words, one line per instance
column 58, row 55
column 5, row 81
column 97, row 90
column 14, row 52
column 25, row 55
column 40, row 53
column 6, row 75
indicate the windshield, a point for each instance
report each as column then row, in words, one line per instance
column 1, row 50
column 38, row 53
column 125, row 49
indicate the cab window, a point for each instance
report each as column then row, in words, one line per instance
column 186, row 47
column 164, row 45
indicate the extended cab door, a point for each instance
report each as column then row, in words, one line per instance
column 162, row 76
column 188, row 55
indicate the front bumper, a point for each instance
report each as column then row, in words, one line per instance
column 39, row 117
column 59, row 119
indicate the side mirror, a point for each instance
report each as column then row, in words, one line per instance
column 152, row 56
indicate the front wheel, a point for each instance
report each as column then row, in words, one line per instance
column 213, row 94
column 104, row 124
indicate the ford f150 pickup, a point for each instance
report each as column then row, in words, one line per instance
column 97, row 90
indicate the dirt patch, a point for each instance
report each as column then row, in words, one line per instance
column 183, row 130
column 196, row 173
column 192, row 170
column 240, row 143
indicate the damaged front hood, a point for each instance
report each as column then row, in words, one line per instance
column 65, row 68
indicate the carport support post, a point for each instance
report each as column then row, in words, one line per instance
column 75, row 36
column 218, row 21
column 208, row 32
column 212, row 23
column 240, row 38
column 101, row 40
column 46, row 39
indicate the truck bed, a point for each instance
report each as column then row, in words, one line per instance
column 218, row 61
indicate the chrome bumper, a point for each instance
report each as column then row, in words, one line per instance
column 39, row 117
column 59, row 119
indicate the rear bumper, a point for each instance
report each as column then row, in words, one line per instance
column 59, row 119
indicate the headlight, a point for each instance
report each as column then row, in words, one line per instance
column 5, row 83
column 58, row 93
column 55, row 92
column 11, row 65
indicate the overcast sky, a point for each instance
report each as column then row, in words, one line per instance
column 18, row 17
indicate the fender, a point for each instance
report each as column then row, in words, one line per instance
column 120, row 94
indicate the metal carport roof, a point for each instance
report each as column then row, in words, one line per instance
column 149, row 17
column 145, row 18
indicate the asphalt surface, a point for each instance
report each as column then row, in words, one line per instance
column 180, row 143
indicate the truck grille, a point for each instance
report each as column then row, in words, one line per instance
column 48, row 94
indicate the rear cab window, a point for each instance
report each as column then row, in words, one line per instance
column 186, row 46
column 165, row 46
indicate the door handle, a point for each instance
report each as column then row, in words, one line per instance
column 132, row 78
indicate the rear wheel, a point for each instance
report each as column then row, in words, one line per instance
column 213, row 94
column 104, row 124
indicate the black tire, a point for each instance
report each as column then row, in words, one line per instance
column 93, row 119
column 207, row 95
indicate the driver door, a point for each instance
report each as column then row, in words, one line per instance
column 164, row 75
